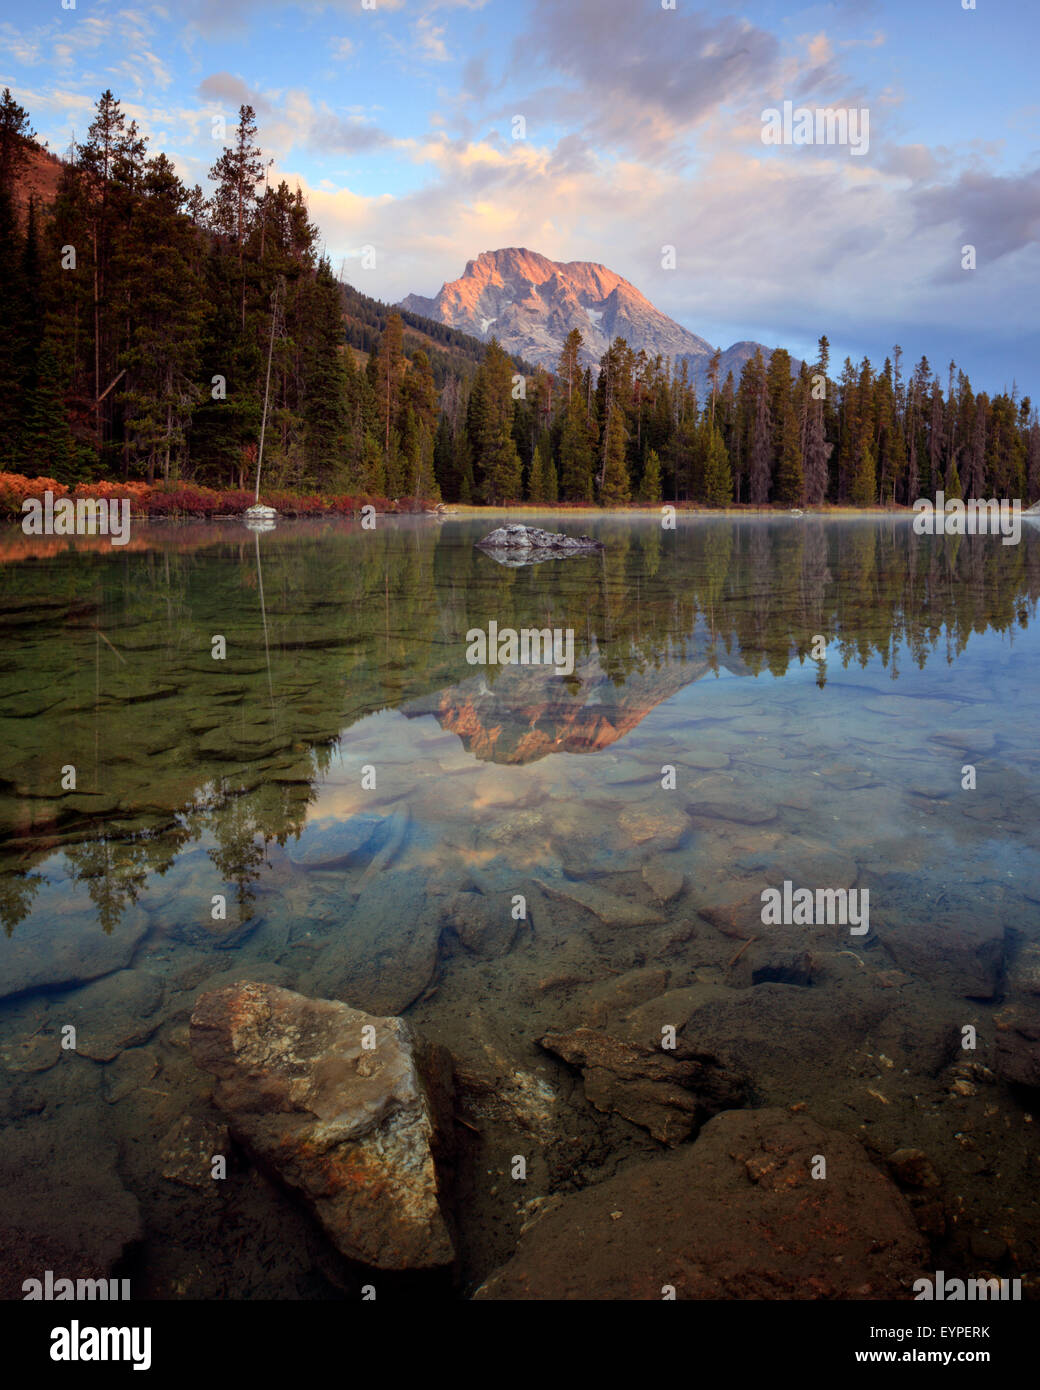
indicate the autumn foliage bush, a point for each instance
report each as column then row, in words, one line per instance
column 193, row 500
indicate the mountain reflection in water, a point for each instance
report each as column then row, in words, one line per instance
column 108, row 663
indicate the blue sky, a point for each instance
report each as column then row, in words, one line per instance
column 643, row 129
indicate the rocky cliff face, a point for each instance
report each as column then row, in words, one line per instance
column 530, row 304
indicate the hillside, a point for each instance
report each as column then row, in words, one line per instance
column 449, row 349
column 38, row 179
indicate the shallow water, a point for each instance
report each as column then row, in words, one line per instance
column 369, row 805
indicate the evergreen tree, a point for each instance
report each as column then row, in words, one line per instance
column 539, row 487
column 718, row 479
column 47, row 449
column 650, row 485
column 160, row 360
column 863, row 491
column 577, row 454
column 502, row 470
column 615, row 490
column 16, row 137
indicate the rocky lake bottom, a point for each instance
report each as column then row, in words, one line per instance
column 555, row 880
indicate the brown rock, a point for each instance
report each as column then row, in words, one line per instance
column 668, row 1094
column 187, row 1151
column 664, row 882
column 348, row 1126
column 737, row 1215
column 1018, row 1046
column 912, row 1168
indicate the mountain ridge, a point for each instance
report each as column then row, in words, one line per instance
column 530, row 303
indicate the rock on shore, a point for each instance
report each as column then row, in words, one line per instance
column 347, row 1125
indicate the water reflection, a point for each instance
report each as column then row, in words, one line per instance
column 109, row 664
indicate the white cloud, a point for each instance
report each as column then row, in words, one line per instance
column 429, row 40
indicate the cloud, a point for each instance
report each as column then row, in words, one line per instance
column 779, row 251
column 876, row 40
column 429, row 40
column 225, row 88
column 639, row 77
column 23, row 50
column 998, row 215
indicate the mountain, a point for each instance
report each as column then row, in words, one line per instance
column 529, row 712
column 530, row 304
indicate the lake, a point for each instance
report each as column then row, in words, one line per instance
column 230, row 755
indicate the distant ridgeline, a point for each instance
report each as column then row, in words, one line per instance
column 137, row 314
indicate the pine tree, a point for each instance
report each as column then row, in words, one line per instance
column 569, row 369
column 538, row 485
column 46, row 446
column 863, row 490
column 816, row 450
column 616, row 489
column 110, row 160
column 237, row 173
column 160, row 360
column 718, row 479
column 325, row 395
column 14, row 338
column 577, row 454
column 650, row 484
column 15, row 136
column 387, row 370
column 502, row 470
column 790, row 481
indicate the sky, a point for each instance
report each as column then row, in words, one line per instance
column 642, row 129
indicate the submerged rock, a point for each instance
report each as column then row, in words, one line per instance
column 668, row 1094
column 526, row 545
column 955, row 939
column 737, row 1214
column 63, row 943
column 348, row 1126
column 62, row 1204
column 187, row 1151
column 115, row 1013
column 340, row 844
column 1018, row 1045
column 608, row 907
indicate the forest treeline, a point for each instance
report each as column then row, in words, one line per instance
column 139, row 315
